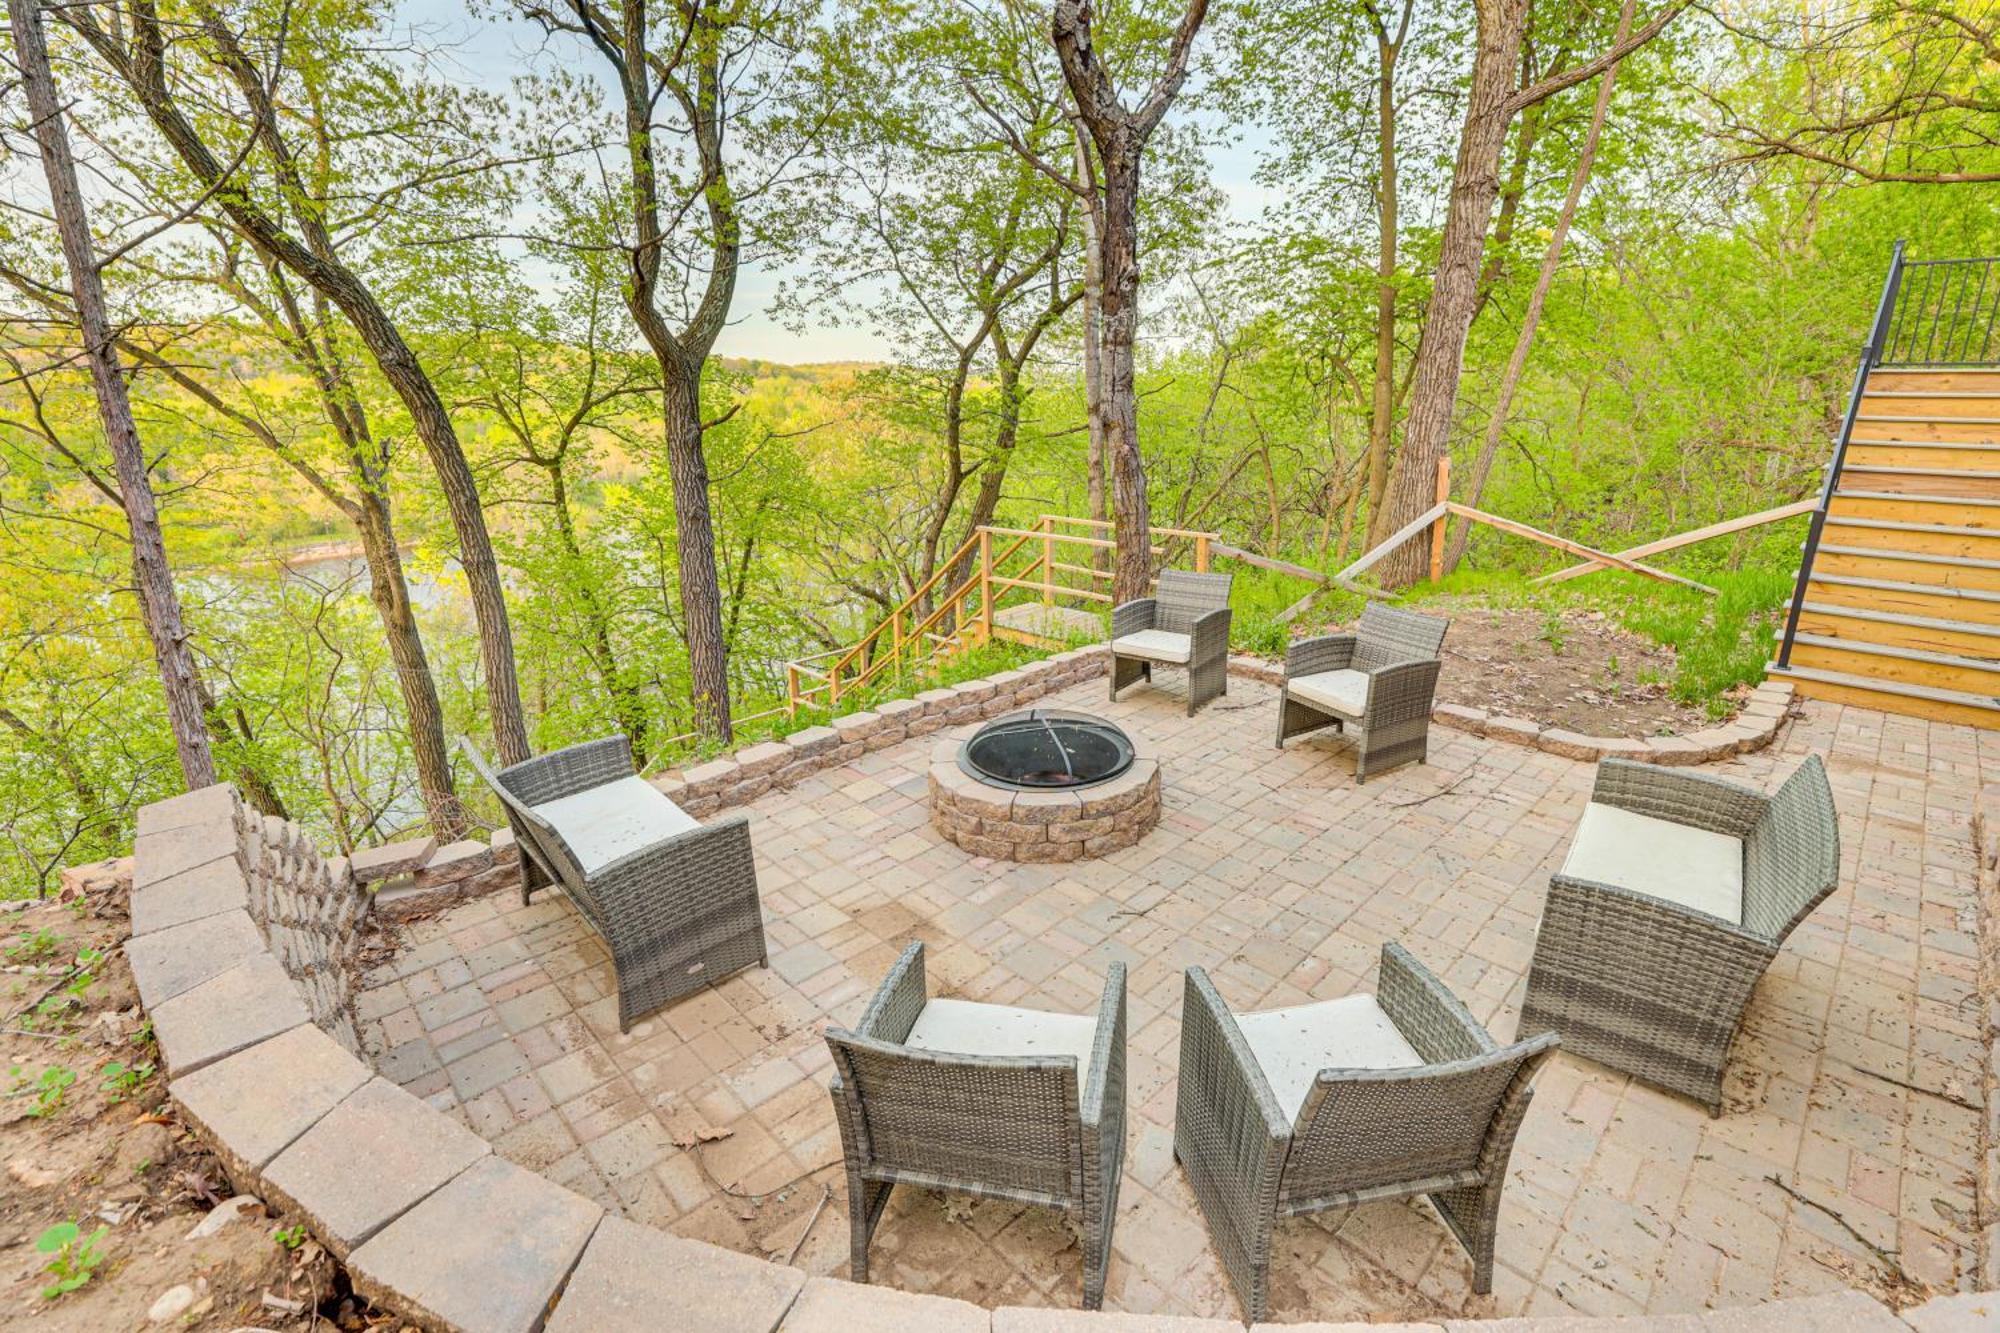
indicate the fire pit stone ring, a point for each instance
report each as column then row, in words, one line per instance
column 1045, row 785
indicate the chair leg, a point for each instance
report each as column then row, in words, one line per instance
column 1096, row 1254
column 865, row 1202
column 1473, row 1214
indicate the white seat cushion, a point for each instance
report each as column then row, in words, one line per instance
column 1689, row 866
column 1344, row 692
column 1293, row 1045
column 965, row 1027
column 1155, row 645
column 604, row 823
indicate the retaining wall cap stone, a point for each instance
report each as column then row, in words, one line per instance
column 175, row 960
column 391, row 859
column 630, row 1273
column 828, row 1305
column 486, row 1253
column 367, row 1160
column 191, row 895
column 243, row 1006
column 255, row 1103
column 195, row 807
column 158, row 856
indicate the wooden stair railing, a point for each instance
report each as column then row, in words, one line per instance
column 929, row 624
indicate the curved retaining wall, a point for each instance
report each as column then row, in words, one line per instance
column 241, row 938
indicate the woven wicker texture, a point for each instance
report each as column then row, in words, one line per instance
column 1196, row 605
column 1658, row 990
column 1034, row 1130
column 1399, row 652
column 677, row 915
column 1444, row 1129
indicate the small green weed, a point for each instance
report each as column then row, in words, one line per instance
column 44, row 943
column 73, row 1257
column 122, row 1080
column 290, row 1237
column 48, row 1089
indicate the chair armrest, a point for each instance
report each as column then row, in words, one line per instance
column 1425, row 1011
column 1131, row 617
column 1791, row 860
column 1209, row 637
column 1328, row 652
column 566, row 772
column 1104, row 1082
column 1680, row 797
column 1229, row 1132
column 1401, row 692
column 898, row 1001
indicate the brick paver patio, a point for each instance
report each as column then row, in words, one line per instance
column 1848, row 1147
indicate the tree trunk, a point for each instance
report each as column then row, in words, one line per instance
column 694, row 524
column 1093, row 354
column 1475, row 183
column 1491, row 103
column 159, row 602
column 1118, row 249
column 1119, row 135
column 389, row 590
column 143, row 70
column 1382, row 413
column 1517, row 362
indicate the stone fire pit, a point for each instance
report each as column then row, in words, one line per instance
column 1045, row 786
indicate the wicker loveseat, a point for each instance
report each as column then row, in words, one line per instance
column 1376, row 683
column 985, row 1099
column 1678, row 891
column 1186, row 625
column 674, row 899
column 1345, row 1102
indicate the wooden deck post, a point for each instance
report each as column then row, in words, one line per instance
column 1048, row 560
column 1201, row 554
column 791, row 689
column 986, row 585
column 1437, row 528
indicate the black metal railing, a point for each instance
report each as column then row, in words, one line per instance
column 1945, row 314
column 1872, row 354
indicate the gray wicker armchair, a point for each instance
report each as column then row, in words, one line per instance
column 1186, row 624
column 1677, row 893
column 675, row 900
column 985, row 1099
column 1346, row 1102
column 1377, row 683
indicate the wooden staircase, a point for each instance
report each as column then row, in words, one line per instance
column 1897, row 604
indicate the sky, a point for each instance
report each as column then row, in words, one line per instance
column 491, row 52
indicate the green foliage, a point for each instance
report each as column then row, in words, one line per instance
column 43, row 943
column 123, row 1081
column 291, row 1237
column 73, row 1258
column 47, row 1089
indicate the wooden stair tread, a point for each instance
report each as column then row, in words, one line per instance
column 1893, row 585
column 1920, row 557
column 1962, row 446
column 1899, row 469
column 1926, row 656
column 1929, row 693
column 1900, row 525
column 1907, row 496
column 1902, row 618
column 1926, row 421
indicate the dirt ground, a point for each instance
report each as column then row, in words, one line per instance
column 87, row 1137
column 1568, row 668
